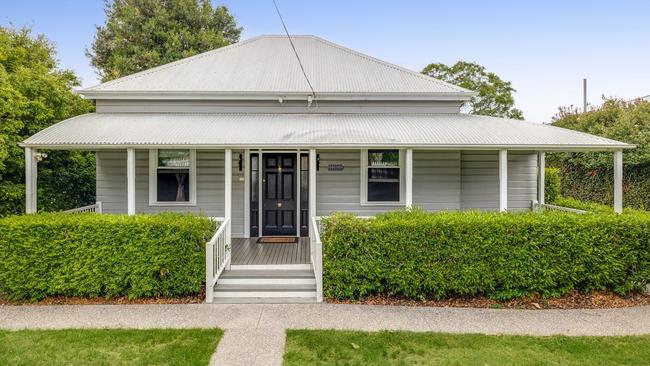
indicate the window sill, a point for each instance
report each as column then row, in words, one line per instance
column 172, row 204
column 391, row 204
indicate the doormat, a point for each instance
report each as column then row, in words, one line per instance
column 277, row 240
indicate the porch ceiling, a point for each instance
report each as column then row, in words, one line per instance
column 317, row 130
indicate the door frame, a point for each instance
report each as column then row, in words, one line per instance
column 247, row 197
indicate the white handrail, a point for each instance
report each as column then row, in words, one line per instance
column 545, row 206
column 316, row 251
column 96, row 208
column 217, row 256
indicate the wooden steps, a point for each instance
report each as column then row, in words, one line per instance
column 268, row 284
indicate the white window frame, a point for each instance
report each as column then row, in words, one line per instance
column 364, row 180
column 153, row 180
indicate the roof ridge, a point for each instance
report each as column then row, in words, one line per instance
column 172, row 64
column 390, row 64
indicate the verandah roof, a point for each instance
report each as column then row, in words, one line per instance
column 318, row 130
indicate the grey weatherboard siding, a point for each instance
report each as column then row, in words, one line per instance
column 442, row 180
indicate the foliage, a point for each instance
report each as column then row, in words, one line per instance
column 586, row 206
column 588, row 176
column 108, row 347
column 422, row 255
column 94, row 255
column 141, row 34
column 494, row 94
column 34, row 94
column 551, row 184
column 336, row 347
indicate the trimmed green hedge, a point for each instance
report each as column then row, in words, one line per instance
column 552, row 184
column 439, row 255
column 93, row 255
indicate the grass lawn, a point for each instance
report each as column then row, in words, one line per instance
column 108, row 347
column 329, row 347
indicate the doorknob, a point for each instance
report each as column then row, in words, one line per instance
column 279, row 204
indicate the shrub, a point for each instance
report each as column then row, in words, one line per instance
column 551, row 184
column 440, row 255
column 93, row 255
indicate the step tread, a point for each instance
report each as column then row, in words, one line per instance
column 263, row 300
column 251, row 273
column 265, row 287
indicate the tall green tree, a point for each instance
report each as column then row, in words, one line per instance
column 141, row 34
column 494, row 94
column 34, row 94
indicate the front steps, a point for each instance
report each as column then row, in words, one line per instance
column 266, row 284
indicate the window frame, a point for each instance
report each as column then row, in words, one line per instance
column 364, row 180
column 153, row 179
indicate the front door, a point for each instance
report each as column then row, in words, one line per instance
column 279, row 194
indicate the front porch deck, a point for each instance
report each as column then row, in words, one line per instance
column 246, row 251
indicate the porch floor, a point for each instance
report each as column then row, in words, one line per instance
column 246, row 251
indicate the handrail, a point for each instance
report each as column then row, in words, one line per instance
column 548, row 207
column 316, row 251
column 96, row 208
column 217, row 255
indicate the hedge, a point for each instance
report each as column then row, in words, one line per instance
column 92, row 255
column 551, row 184
column 421, row 255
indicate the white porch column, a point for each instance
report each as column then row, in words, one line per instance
column 618, row 181
column 130, row 181
column 312, row 184
column 541, row 166
column 30, row 180
column 408, row 199
column 503, row 180
column 228, row 184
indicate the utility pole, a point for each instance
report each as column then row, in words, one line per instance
column 584, row 95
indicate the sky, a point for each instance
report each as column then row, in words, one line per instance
column 545, row 48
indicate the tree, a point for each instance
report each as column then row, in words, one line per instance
column 141, row 34
column 494, row 94
column 34, row 94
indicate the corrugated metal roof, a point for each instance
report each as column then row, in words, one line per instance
column 267, row 64
column 311, row 130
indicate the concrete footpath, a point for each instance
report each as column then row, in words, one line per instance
column 254, row 334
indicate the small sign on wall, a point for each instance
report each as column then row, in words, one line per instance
column 335, row 167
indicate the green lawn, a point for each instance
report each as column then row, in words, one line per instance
column 329, row 347
column 108, row 347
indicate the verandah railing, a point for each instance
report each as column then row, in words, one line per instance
column 316, row 254
column 536, row 207
column 96, row 208
column 217, row 256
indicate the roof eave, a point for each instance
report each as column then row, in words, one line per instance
column 246, row 95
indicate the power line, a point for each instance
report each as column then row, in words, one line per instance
column 313, row 93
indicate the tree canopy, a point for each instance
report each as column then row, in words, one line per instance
column 494, row 94
column 141, row 34
column 34, row 94
column 616, row 119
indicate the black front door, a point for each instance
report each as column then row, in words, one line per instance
column 279, row 194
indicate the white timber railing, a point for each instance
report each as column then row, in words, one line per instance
column 217, row 256
column 547, row 207
column 316, row 251
column 96, row 208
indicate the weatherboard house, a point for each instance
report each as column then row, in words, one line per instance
column 268, row 142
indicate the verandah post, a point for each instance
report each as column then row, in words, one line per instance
column 503, row 180
column 409, row 179
column 541, row 175
column 30, row 180
column 228, row 200
column 130, row 181
column 618, row 181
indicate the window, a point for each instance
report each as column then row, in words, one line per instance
column 382, row 173
column 171, row 177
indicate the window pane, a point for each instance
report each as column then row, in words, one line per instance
column 383, row 157
column 383, row 174
column 174, row 158
column 383, row 191
column 173, row 185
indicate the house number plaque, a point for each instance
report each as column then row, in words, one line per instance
column 335, row 167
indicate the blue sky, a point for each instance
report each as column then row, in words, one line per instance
column 545, row 48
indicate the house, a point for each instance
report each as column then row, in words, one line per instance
column 268, row 142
